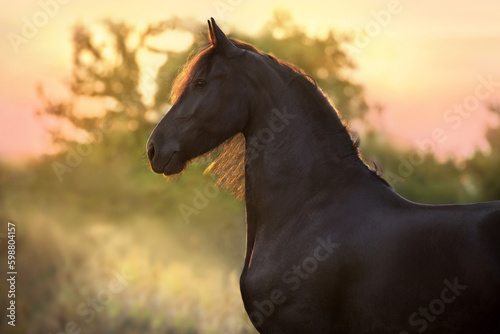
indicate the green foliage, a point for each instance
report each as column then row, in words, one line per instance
column 417, row 175
column 422, row 177
column 484, row 168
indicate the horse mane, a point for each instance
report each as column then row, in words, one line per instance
column 228, row 159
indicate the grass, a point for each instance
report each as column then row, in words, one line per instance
column 81, row 270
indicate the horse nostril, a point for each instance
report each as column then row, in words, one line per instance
column 151, row 151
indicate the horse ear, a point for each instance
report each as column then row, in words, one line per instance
column 219, row 40
column 211, row 36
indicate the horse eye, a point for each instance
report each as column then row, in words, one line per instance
column 198, row 83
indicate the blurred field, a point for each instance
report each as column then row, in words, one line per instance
column 84, row 267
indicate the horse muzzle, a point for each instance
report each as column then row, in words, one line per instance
column 165, row 159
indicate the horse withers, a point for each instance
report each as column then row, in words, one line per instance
column 331, row 248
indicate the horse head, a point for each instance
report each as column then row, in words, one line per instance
column 209, row 106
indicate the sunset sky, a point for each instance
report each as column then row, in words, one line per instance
column 421, row 60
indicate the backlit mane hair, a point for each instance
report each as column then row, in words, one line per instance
column 228, row 159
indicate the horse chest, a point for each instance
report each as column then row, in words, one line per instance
column 292, row 288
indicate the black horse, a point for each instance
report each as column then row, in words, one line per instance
column 331, row 248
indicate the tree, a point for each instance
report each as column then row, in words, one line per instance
column 108, row 71
column 482, row 168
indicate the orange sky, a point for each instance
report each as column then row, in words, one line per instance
column 420, row 59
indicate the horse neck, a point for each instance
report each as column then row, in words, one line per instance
column 296, row 146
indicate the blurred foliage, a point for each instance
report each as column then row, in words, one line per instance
column 95, row 206
column 422, row 177
column 483, row 168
